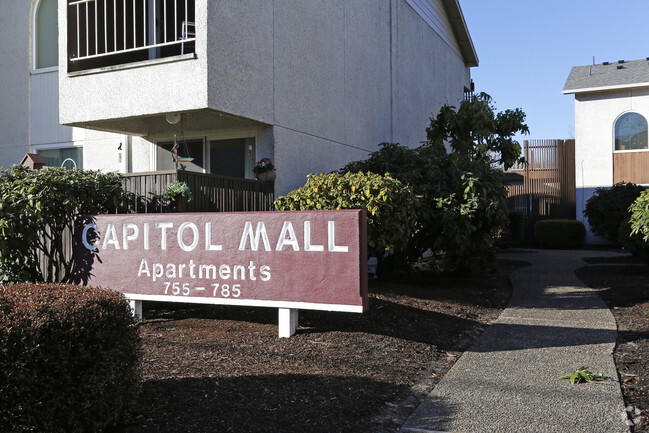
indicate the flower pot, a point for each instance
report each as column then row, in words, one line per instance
column 179, row 203
column 267, row 176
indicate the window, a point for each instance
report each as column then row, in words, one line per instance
column 190, row 155
column 233, row 157
column 631, row 132
column 46, row 46
column 113, row 32
column 68, row 157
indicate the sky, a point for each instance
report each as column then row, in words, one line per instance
column 527, row 48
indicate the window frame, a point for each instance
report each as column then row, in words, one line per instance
column 253, row 133
column 58, row 146
column 615, row 124
column 35, row 32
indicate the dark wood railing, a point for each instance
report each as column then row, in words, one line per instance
column 210, row 193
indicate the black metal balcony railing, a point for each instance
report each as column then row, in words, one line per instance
column 111, row 32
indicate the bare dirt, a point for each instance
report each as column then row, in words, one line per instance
column 223, row 369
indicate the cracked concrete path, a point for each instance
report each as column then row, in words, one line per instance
column 509, row 380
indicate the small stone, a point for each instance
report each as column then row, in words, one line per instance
column 629, row 409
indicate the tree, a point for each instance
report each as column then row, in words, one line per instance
column 37, row 210
column 461, row 193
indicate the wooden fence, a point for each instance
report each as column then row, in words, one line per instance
column 545, row 188
column 210, row 193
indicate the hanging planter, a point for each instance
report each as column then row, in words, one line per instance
column 265, row 170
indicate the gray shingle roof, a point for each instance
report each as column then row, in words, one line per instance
column 616, row 75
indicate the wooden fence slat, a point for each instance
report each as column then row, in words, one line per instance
column 210, row 193
column 548, row 189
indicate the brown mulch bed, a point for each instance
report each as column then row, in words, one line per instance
column 218, row 369
column 624, row 286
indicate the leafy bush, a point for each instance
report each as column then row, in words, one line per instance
column 69, row 358
column 559, row 233
column 461, row 194
column 389, row 204
column 175, row 189
column 639, row 221
column 608, row 207
column 36, row 215
column 632, row 242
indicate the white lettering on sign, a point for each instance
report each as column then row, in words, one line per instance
column 205, row 271
column 287, row 229
column 111, row 237
column 208, row 239
column 181, row 231
column 126, row 237
column 248, row 233
column 84, row 236
column 331, row 233
column 307, row 239
column 188, row 237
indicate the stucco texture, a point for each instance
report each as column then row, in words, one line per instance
column 14, row 85
column 595, row 117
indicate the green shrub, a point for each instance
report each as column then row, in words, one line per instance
column 560, row 234
column 632, row 242
column 69, row 358
column 390, row 205
column 37, row 210
column 462, row 198
column 639, row 219
column 608, row 207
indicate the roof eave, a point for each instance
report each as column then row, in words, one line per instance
column 604, row 88
column 461, row 32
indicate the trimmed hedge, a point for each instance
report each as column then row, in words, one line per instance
column 69, row 358
column 391, row 206
column 559, row 233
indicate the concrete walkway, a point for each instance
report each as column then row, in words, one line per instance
column 509, row 381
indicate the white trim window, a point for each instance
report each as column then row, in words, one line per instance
column 45, row 39
column 631, row 132
column 70, row 157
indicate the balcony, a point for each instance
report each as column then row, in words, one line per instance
column 130, row 63
column 103, row 33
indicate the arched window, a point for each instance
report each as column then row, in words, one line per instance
column 631, row 132
column 46, row 46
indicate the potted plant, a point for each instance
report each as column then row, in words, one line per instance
column 179, row 194
column 265, row 170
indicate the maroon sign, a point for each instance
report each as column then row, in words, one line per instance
column 298, row 260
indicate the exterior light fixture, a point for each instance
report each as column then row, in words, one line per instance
column 172, row 118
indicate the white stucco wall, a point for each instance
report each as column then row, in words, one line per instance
column 595, row 116
column 133, row 91
column 331, row 82
column 348, row 74
column 15, row 19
